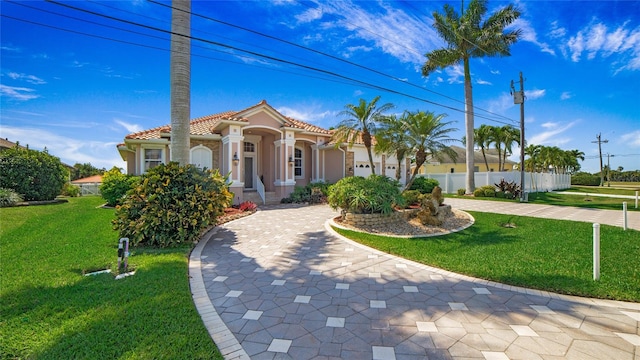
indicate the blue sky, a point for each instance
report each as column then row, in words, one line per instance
column 78, row 87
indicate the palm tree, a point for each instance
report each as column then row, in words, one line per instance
column 391, row 139
column 180, row 79
column 427, row 135
column 511, row 135
column 361, row 121
column 495, row 136
column 467, row 38
column 533, row 152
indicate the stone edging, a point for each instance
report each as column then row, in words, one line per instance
column 224, row 339
column 548, row 294
column 473, row 220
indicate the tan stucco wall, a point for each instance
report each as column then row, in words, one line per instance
column 333, row 166
column 460, row 168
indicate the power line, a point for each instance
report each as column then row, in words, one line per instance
column 395, row 78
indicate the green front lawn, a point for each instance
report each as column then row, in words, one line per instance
column 594, row 202
column 626, row 190
column 49, row 310
column 543, row 254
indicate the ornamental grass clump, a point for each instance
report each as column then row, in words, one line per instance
column 172, row 205
column 376, row 194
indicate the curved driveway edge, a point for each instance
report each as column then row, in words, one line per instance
column 280, row 284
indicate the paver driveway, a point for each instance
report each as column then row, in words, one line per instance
column 280, row 285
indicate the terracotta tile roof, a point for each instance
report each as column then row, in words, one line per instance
column 207, row 124
column 6, row 144
column 90, row 179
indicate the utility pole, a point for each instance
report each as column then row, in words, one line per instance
column 609, row 169
column 599, row 141
column 518, row 98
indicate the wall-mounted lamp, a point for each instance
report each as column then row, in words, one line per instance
column 235, row 159
column 290, row 160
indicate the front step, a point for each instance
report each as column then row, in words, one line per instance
column 270, row 197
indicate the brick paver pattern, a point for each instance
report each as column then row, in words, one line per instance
column 280, row 285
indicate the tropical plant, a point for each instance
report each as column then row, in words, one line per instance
column 68, row 189
column 375, row 194
column 427, row 135
column 468, row 36
column 35, row 175
column 172, row 205
column 481, row 138
column 360, row 123
column 391, row 139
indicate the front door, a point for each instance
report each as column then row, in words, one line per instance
column 248, row 173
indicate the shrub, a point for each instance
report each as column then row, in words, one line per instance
column 70, row 190
column 302, row 194
column 502, row 195
column 583, row 178
column 411, row 197
column 35, row 175
column 115, row 185
column 172, row 205
column 424, row 185
column 9, row 197
column 248, row 206
column 489, row 191
column 376, row 194
column 461, row 192
column 508, row 189
column 478, row 192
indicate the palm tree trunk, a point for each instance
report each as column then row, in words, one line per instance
column 468, row 107
column 485, row 159
column 180, row 78
column 366, row 138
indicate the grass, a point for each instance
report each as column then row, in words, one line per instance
column 543, row 254
column 49, row 310
column 628, row 190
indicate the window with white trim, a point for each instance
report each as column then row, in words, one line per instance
column 249, row 147
column 297, row 162
column 152, row 158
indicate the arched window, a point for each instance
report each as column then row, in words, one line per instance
column 297, row 162
column 201, row 156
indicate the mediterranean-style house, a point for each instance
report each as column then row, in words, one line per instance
column 265, row 153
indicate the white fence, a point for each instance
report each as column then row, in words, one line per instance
column 450, row 183
column 89, row 188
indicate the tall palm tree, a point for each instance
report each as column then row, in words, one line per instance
column 361, row 121
column 533, row 152
column 391, row 139
column 180, row 79
column 495, row 136
column 428, row 135
column 468, row 37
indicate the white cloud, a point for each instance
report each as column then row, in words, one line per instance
column 528, row 34
column 456, row 74
column 307, row 113
column 69, row 150
column 358, row 93
column 534, row 94
column 501, row 103
column 483, row 82
column 597, row 39
column 131, row 128
column 632, row 139
column 566, row 95
column 556, row 31
column 393, row 31
column 551, row 135
column 18, row 93
column 32, row 79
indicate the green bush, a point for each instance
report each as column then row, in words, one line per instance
column 115, row 186
column 489, row 191
column 424, row 185
column 461, row 192
column 583, row 178
column 172, row 205
column 68, row 189
column 376, row 194
column 411, row 197
column 9, row 197
column 302, row 194
column 503, row 195
column 35, row 175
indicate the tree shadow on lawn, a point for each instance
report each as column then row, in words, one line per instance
column 331, row 297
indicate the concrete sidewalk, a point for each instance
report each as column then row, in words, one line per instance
column 607, row 217
column 280, row 284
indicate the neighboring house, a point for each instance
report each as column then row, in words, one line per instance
column 262, row 150
column 89, row 185
column 448, row 165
